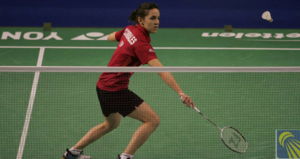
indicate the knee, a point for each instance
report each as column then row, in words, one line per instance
column 112, row 126
column 155, row 121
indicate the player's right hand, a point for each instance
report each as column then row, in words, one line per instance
column 187, row 100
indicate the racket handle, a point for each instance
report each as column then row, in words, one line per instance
column 196, row 109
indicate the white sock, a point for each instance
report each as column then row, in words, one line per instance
column 126, row 156
column 75, row 151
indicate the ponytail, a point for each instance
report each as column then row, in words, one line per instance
column 133, row 16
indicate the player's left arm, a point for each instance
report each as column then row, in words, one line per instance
column 112, row 37
column 168, row 78
column 115, row 36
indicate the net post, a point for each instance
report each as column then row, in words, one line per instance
column 47, row 26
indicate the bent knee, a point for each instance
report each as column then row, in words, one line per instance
column 111, row 126
column 155, row 121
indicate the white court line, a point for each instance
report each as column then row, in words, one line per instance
column 158, row 48
column 276, row 40
column 30, row 104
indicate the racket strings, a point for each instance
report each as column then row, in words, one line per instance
column 233, row 139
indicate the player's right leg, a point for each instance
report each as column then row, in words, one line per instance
column 111, row 122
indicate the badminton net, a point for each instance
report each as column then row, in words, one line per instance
column 44, row 110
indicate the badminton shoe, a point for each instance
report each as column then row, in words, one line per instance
column 69, row 155
column 119, row 157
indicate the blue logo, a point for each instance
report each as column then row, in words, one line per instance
column 287, row 144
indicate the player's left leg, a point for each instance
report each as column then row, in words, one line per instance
column 111, row 123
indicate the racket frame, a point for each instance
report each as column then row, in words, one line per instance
column 197, row 110
column 240, row 135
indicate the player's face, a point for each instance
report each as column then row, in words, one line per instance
column 151, row 21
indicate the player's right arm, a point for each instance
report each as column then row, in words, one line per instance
column 168, row 78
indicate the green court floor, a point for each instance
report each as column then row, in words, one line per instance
column 66, row 106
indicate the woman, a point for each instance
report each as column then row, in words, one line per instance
column 133, row 49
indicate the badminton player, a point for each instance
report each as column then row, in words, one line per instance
column 116, row 100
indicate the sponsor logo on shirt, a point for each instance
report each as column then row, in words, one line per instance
column 151, row 50
column 129, row 36
column 121, row 43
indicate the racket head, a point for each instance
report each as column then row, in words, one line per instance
column 233, row 139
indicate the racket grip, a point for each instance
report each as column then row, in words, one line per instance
column 195, row 108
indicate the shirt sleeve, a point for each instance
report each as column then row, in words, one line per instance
column 145, row 52
column 119, row 34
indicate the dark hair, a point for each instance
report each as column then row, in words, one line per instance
column 142, row 11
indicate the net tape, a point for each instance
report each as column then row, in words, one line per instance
column 144, row 69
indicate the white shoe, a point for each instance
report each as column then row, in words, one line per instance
column 69, row 155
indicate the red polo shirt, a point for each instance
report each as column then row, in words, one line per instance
column 133, row 49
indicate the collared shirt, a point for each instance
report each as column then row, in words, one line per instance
column 134, row 49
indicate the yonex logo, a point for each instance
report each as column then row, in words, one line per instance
column 29, row 36
column 235, row 140
column 91, row 36
column 287, row 144
column 6, row 35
